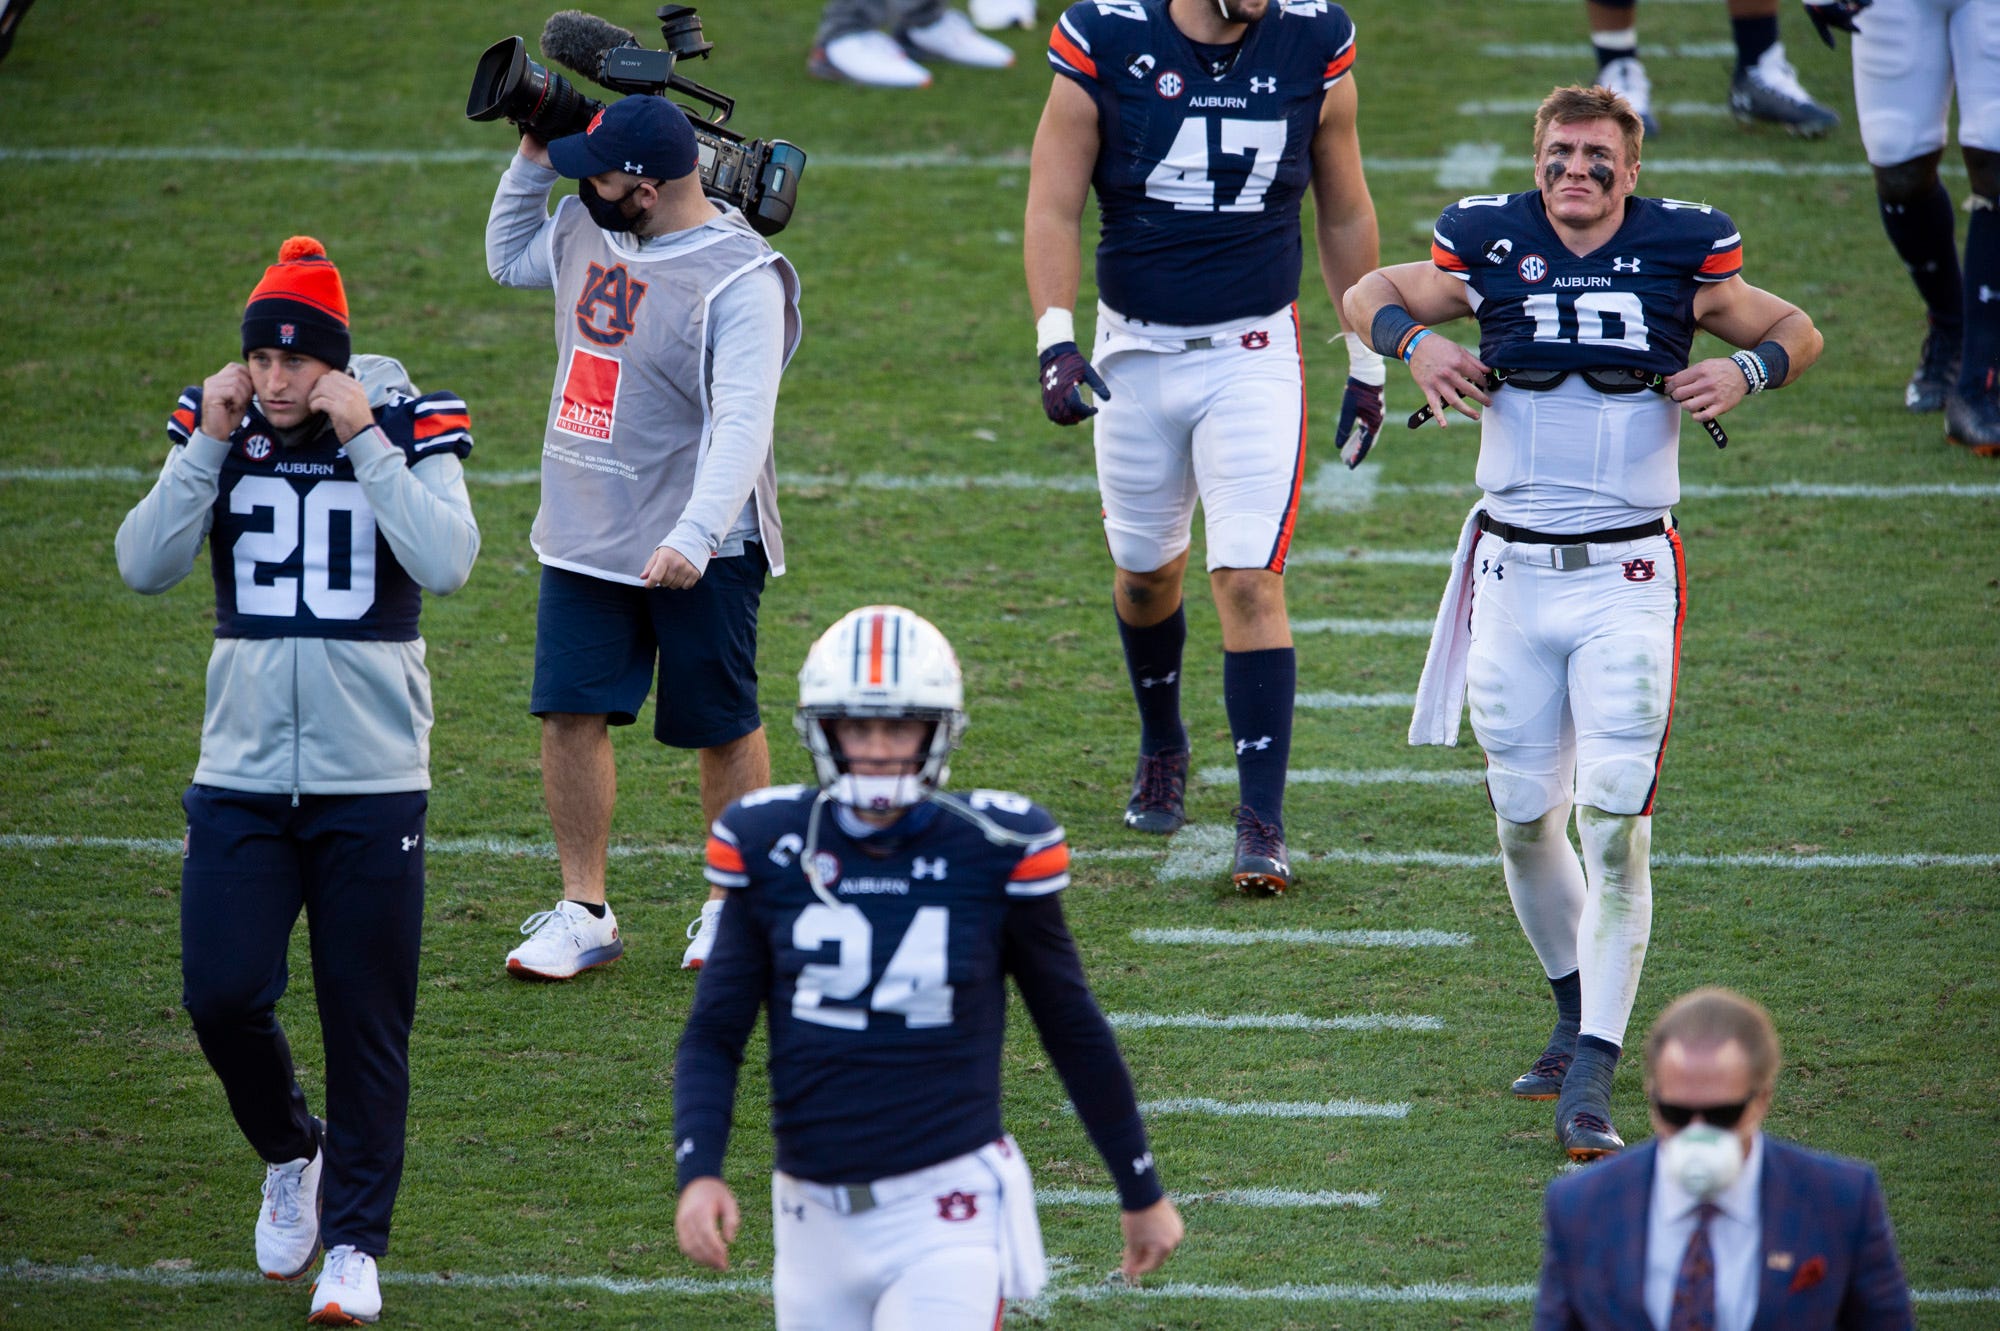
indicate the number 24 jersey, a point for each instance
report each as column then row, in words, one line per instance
column 1629, row 303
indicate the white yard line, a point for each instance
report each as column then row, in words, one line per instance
column 1324, row 555
column 1402, row 938
column 1269, row 1198
column 1581, row 51
column 1336, row 776
column 1527, row 106
column 1208, row 1107
column 1313, row 701
column 1366, row 628
column 1279, row 1021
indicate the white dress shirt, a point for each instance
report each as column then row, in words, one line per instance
column 1735, row 1236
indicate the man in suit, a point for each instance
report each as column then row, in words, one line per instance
column 1712, row 1224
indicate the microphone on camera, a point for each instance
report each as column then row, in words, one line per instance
column 579, row 41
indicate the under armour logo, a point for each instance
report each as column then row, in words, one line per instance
column 1140, row 1164
column 923, row 868
column 1987, row 294
column 684, row 1150
column 1243, row 746
column 634, row 169
column 1264, row 85
column 411, row 842
column 1624, row 265
column 1638, row 570
column 797, row 1212
column 1050, row 376
column 1171, row 676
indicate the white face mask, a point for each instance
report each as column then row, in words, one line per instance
column 876, row 794
column 1702, row 1159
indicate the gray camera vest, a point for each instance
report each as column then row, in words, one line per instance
column 629, row 418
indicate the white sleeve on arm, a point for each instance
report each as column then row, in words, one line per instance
column 746, row 358
column 159, row 539
column 423, row 511
column 517, row 244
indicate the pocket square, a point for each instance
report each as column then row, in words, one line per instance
column 1810, row 1274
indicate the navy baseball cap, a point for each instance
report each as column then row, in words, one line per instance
column 641, row 135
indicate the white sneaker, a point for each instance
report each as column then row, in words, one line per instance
column 952, row 37
column 1627, row 77
column 992, row 14
column 872, row 59
column 565, row 941
column 347, row 1292
column 701, row 935
column 288, row 1218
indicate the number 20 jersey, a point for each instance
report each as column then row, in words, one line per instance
column 1629, row 303
column 1199, row 175
column 886, row 1013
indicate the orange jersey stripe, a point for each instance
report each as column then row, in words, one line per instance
column 1071, row 53
column 429, row 427
column 1445, row 259
column 1673, row 689
column 1726, row 261
column 723, row 856
column 1281, row 549
column 1042, row 864
column 1340, row 64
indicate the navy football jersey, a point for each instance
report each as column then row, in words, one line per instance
column 1204, row 153
column 1628, row 304
column 886, row 1012
column 293, row 542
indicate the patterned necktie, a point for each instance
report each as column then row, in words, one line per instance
column 1694, row 1287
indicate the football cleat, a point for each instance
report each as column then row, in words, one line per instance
column 1937, row 370
column 1544, row 1081
column 1974, row 422
column 952, row 37
column 1769, row 91
column 348, row 1292
column 1627, row 77
column 1159, row 790
column 1262, row 868
column 1588, row 1135
column 872, row 59
column 288, row 1217
column 701, row 936
column 565, row 942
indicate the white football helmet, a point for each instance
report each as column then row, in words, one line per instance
column 881, row 661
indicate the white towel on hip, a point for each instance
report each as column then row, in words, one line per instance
column 1024, row 1267
column 1441, row 688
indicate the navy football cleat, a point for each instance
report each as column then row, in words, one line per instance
column 1262, row 869
column 1588, row 1135
column 1769, row 91
column 1159, row 793
column 1973, row 421
column 1544, row 1081
column 1937, row 370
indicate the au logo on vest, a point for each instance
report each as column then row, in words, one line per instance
column 619, row 294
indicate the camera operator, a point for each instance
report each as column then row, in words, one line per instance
column 659, row 513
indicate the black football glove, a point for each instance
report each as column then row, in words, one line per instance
column 1826, row 15
column 1063, row 368
column 1361, row 417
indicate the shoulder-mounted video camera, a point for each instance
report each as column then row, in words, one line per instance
column 758, row 176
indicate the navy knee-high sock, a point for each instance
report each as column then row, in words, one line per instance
column 1754, row 36
column 1153, row 660
column 1257, row 691
column 1982, row 301
column 1924, row 232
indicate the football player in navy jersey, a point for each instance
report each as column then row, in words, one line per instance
column 876, row 918
column 1562, row 621
column 331, row 495
column 1200, row 124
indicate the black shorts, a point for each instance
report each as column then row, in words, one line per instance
column 596, row 643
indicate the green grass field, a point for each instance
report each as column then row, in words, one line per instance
column 1827, row 838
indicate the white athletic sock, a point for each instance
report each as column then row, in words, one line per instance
column 1617, row 917
column 1546, row 883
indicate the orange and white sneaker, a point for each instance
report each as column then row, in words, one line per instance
column 565, row 942
column 701, row 936
column 347, row 1292
column 288, row 1216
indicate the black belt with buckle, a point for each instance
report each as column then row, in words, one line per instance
column 1568, row 550
column 1617, row 380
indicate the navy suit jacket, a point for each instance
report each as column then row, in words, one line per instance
column 1829, row 1256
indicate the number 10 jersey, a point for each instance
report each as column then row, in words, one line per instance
column 1204, row 152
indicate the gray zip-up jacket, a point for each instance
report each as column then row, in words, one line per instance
column 311, row 714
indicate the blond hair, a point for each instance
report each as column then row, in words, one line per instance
column 1568, row 106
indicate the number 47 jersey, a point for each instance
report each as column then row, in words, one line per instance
column 1204, row 152
column 1629, row 303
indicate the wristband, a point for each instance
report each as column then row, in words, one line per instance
column 1393, row 331
column 1410, row 347
column 1777, row 364
column 1362, row 361
column 1755, row 373
column 1055, row 325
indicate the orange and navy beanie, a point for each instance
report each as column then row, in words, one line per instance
column 300, row 305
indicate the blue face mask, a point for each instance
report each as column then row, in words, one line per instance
column 607, row 213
